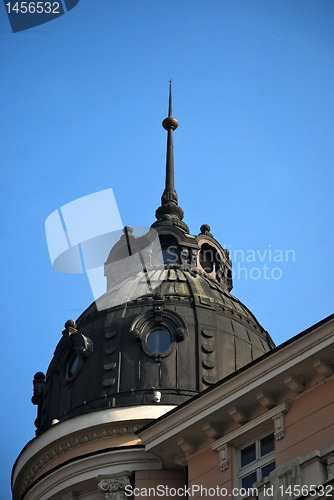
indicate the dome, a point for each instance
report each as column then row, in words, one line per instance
column 162, row 346
column 166, row 329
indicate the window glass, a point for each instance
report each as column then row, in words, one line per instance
column 158, row 341
column 257, row 460
column 72, row 365
column 267, row 469
column 168, row 254
column 267, row 444
column 248, row 481
column 248, row 455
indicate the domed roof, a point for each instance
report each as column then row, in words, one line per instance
column 177, row 282
column 175, row 339
column 166, row 329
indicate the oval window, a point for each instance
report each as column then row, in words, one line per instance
column 158, row 341
column 72, row 366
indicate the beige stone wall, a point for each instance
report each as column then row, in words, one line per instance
column 173, row 478
column 204, row 470
column 309, row 424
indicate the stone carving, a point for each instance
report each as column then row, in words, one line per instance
column 181, row 333
column 205, row 229
column 184, row 256
column 70, row 327
column 222, row 272
column 279, row 426
column 224, row 461
column 113, row 487
column 194, row 257
column 73, row 340
column 158, row 305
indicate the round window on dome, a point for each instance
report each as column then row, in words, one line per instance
column 159, row 341
column 72, row 366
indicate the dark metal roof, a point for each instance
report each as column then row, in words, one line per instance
column 164, row 331
column 212, row 335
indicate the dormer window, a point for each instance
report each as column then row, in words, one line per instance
column 169, row 253
column 207, row 257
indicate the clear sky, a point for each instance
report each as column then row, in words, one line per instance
column 82, row 100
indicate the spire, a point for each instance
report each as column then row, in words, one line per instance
column 169, row 209
column 170, row 124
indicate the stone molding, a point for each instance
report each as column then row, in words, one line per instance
column 279, row 426
column 224, row 461
column 78, row 427
column 81, row 475
column 69, row 444
column 275, row 413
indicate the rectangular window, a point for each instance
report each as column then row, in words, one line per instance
column 256, row 460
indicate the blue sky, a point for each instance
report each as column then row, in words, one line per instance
column 82, row 101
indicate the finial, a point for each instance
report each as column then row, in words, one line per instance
column 170, row 122
column 169, row 209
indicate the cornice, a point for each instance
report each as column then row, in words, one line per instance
column 250, row 378
column 87, row 470
column 256, row 422
column 67, row 444
column 79, row 431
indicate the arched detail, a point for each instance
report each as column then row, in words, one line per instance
column 166, row 321
column 215, row 261
column 73, row 343
column 208, row 258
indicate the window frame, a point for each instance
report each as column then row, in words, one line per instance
column 159, row 318
column 259, row 462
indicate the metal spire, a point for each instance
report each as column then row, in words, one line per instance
column 169, row 202
column 170, row 124
column 170, row 99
